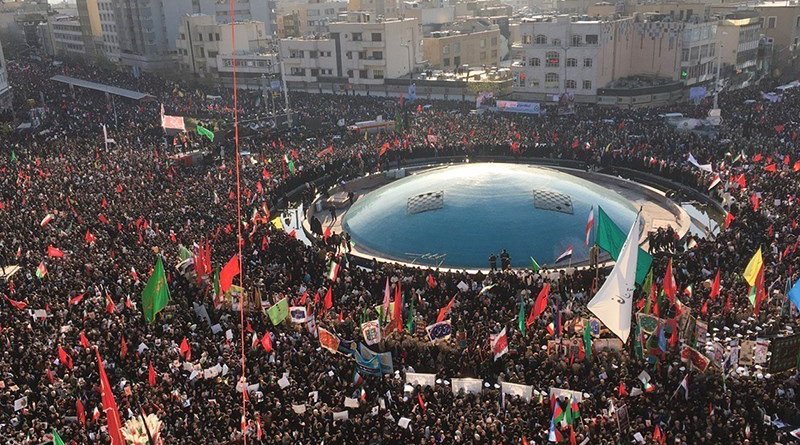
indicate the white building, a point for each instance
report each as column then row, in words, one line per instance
column 66, row 37
column 309, row 59
column 6, row 98
column 201, row 41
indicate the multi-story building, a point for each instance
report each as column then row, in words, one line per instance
column 781, row 22
column 564, row 55
column 312, row 17
column 698, row 53
column 738, row 35
column 89, row 18
column 6, row 97
column 201, row 40
column 109, row 40
column 356, row 51
column 473, row 42
column 66, row 38
column 376, row 8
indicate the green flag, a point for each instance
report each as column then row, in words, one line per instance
column 202, row 131
column 611, row 238
column 521, row 318
column 13, row 156
column 216, row 282
column 534, row 265
column 183, row 252
column 646, row 287
column 278, row 311
column 637, row 343
column 56, row 438
column 587, row 339
column 155, row 295
column 411, row 313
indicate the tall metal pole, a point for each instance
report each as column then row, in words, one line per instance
column 285, row 93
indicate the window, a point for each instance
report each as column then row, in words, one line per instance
column 296, row 54
column 350, row 73
column 797, row 22
column 200, row 37
column 685, row 55
column 535, row 61
column 362, row 74
column 552, row 59
column 591, row 39
column 456, row 47
column 772, row 22
column 457, row 61
column 571, row 84
column 551, row 80
column 377, row 37
column 362, row 55
column 446, row 49
column 587, row 63
column 357, row 37
column 183, row 36
column 296, row 71
column 349, row 55
column 494, row 54
column 377, row 74
column 446, row 61
column 541, row 40
column 587, row 84
column 212, row 54
column 377, row 55
column 572, row 62
column 314, row 72
column 210, row 37
column 494, row 41
column 556, row 42
column 483, row 43
column 217, row 36
column 202, row 52
column 526, row 40
column 577, row 40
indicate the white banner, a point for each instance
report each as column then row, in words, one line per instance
column 514, row 389
column 474, row 386
column 371, row 331
column 414, row 379
column 560, row 392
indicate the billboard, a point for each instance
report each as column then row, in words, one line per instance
column 518, row 107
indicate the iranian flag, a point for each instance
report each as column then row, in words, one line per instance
column 41, row 270
column 333, row 270
column 499, row 343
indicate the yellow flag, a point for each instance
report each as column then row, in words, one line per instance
column 277, row 223
column 755, row 264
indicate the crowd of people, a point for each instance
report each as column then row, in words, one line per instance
column 85, row 225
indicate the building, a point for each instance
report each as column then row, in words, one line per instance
column 781, row 23
column 376, row 8
column 738, row 36
column 473, row 43
column 64, row 38
column 109, row 40
column 312, row 17
column 698, row 53
column 89, row 18
column 358, row 51
column 565, row 55
column 201, row 40
column 6, row 97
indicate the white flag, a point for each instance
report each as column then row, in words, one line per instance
column 704, row 167
column 613, row 304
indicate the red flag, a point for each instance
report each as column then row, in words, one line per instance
column 445, row 310
column 727, row 307
column 741, row 181
column 54, row 252
column 327, row 303
column 787, row 160
column 431, row 281
column 761, row 293
column 110, row 305
column 304, row 298
column 185, row 349
column 123, row 347
column 780, row 128
column 151, row 375
column 771, row 168
column 230, row 270
column 83, row 340
column 658, row 436
column 715, row 287
column 622, row 390
column 81, row 412
column 755, row 200
column 673, row 338
column 64, row 358
column 729, row 219
column 266, row 342
column 18, row 305
column 109, row 405
column 796, row 166
column 539, row 306
column 757, row 157
column 669, row 286
column 421, row 402
column 573, row 440
column 102, row 218
column 397, row 316
column 704, row 309
column 654, row 301
column 76, row 299
column 89, row 238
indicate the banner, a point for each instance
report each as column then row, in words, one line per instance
column 298, row 314
column 371, row 331
column 439, row 331
column 367, row 366
column 695, row 358
column 623, row 421
column 614, row 344
column 568, row 394
column 278, row 311
column 647, row 323
column 414, row 379
column 784, row 353
column 470, row 386
column 511, row 106
column 746, row 352
column 384, row 358
column 514, row 389
column 760, row 351
column 328, row 340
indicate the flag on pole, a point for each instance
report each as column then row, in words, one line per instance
column 589, row 225
column 155, row 295
column 54, row 252
column 609, row 237
column 567, row 253
column 613, row 303
column 56, row 438
column 534, row 265
column 669, row 285
column 540, row 305
column 203, row 131
column 41, row 270
column 229, row 271
column 499, row 343
column 444, row 310
column 753, row 267
column 107, row 140
column 109, row 405
column 387, row 294
column 333, row 270
column 715, row 287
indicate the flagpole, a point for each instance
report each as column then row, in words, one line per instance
column 144, row 422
